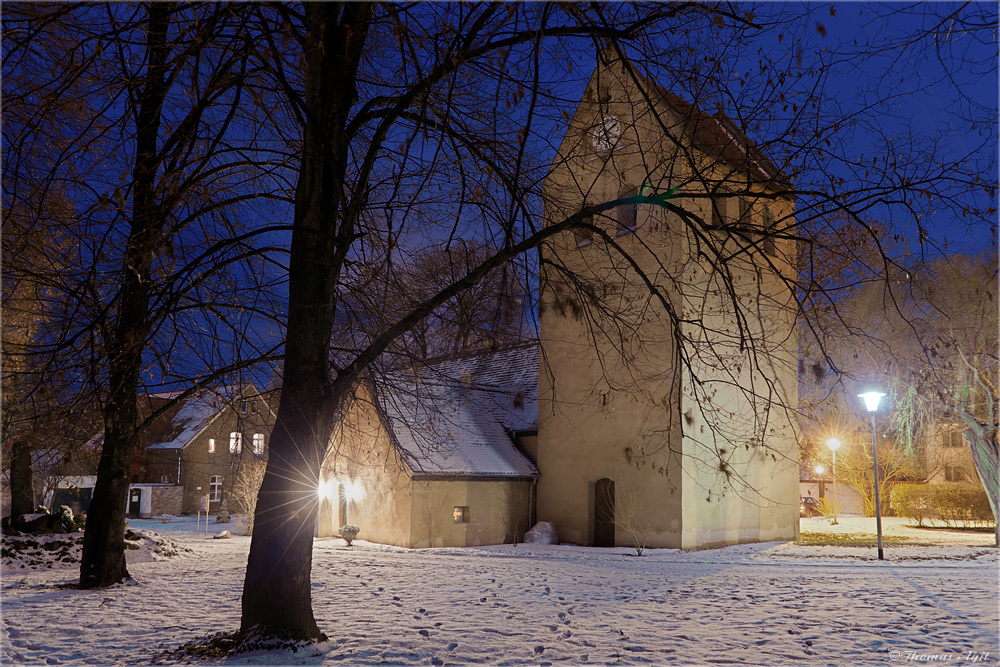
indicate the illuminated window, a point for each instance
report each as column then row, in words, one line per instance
column 258, row 444
column 235, row 442
column 215, row 488
column 211, row 445
column 461, row 514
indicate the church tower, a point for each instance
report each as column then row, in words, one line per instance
column 667, row 381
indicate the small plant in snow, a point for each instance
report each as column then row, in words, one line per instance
column 349, row 532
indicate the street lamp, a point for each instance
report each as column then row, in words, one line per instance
column 871, row 399
column 820, row 470
column 834, row 445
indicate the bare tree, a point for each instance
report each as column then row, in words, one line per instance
column 246, row 487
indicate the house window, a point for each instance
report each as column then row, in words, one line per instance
column 258, row 444
column 243, row 407
column 744, row 219
column 954, row 474
column 211, row 445
column 951, row 439
column 584, row 235
column 253, row 407
column 461, row 514
column 718, row 217
column 215, row 488
column 769, row 244
column 235, row 442
column 627, row 214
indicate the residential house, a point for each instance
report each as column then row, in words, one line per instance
column 198, row 449
column 659, row 414
column 948, row 456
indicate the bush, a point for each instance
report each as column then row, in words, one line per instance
column 954, row 504
column 349, row 532
column 80, row 520
column 914, row 501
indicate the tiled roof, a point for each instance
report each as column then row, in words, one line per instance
column 454, row 418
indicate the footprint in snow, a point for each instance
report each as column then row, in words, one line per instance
column 451, row 647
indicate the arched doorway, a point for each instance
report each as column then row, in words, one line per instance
column 604, row 513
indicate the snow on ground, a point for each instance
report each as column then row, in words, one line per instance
column 760, row 604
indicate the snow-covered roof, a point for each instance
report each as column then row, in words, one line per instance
column 454, row 418
column 195, row 414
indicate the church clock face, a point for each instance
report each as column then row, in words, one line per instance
column 606, row 134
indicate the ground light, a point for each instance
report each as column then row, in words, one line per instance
column 871, row 399
column 834, row 445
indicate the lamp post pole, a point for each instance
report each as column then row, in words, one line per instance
column 834, row 445
column 871, row 399
column 878, row 503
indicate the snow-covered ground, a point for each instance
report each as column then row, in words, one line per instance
column 934, row 599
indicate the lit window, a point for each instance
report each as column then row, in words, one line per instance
column 211, row 445
column 461, row 514
column 258, row 444
column 235, row 442
column 215, row 488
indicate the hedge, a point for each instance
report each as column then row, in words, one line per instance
column 960, row 504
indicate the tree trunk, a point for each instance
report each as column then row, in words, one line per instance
column 986, row 456
column 22, row 485
column 103, row 560
column 277, row 599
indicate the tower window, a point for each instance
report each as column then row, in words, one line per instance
column 626, row 215
column 584, row 235
column 769, row 245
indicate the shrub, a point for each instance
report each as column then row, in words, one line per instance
column 956, row 504
column 828, row 509
column 914, row 501
column 964, row 503
column 349, row 532
column 80, row 520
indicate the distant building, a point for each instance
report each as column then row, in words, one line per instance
column 949, row 458
column 191, row 454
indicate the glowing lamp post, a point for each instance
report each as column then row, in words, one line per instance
column 871, row 399
column 834, row 445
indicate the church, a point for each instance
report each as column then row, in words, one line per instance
column 658, row 405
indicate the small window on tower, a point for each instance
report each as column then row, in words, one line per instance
column 769, row 242
column 584, row 235
column 626, row 215
column 211, row 445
